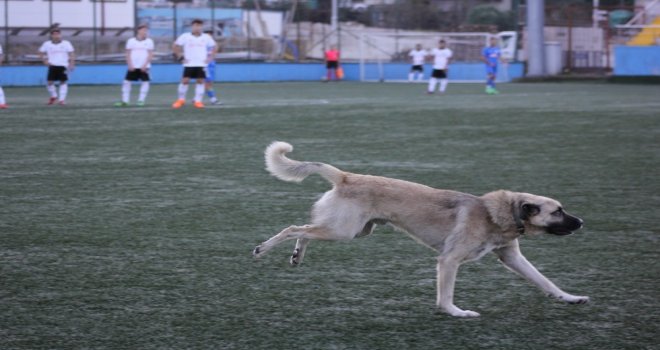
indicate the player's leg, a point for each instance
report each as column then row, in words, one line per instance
column 144, row 87
column 210, row 92
column 411, row 74
column 420, row 77
column 52, row 92
column 125, row 90
column 490, row 80
column 443, row 81
column 64, row 87
column 183, row 88
column 200, row 75
column 493, row 78
column 487, row 78
column 64, row 90
column 50, row 85
column 208, row 84
column 3, row 103
column 433, row 82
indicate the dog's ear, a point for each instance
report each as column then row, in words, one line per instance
column 528, row 209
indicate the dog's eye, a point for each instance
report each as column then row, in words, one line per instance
column 557, row 212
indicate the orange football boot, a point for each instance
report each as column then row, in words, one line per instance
column 178, row 103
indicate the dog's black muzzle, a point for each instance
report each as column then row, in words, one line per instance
column 569, row 224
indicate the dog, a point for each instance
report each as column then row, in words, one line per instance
column 460, row 227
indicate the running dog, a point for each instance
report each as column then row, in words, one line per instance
column 461, row 227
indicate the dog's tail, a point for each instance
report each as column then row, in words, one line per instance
column 287, row 169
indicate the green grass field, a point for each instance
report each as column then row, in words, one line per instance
column 133, row 228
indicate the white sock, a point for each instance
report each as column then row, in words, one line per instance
column 420, row 77
column 126, row 91
column 64, row 88
column 144, row 90
column 199, row 92
column 443, row 84
column 433, row 82
column 2, row 96
column 411, row 76
column 51, row 90
column 183, row 89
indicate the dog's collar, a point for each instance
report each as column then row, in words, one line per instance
column 520, row 227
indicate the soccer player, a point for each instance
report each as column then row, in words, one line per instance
column 441, row 58
column 58, row 55
column 491, row 56
column 332, row 63
column 210, row 74
column 417, row 57
column 3, row 103
column 139, row 53
column 196, row 56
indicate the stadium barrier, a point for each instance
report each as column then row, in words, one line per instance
column 637, row 61
column 249, row 72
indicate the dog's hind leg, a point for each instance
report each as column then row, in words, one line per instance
column 293, row 232
column 299, row 251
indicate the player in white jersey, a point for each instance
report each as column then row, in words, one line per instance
column 58, row 55
column 139, row 52
column 3, row 103
column 198, row 51
column 417, row 58
column 441, row 59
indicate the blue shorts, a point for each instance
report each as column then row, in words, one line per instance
column 491, row 69
column 210, row 72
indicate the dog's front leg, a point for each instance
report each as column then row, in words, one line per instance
column 513, row 259
column 299, row 252
column 447, row 270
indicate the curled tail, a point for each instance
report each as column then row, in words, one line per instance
column 287, row 169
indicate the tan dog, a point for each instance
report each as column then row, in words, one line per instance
column 459, row 226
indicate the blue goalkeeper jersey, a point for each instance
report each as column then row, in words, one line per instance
column 492, row 54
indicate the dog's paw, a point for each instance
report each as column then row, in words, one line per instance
column 257, row 251
column 578, row 299
column 294, row 261
column 574, row 299
column 466, row 313
column 457, row 312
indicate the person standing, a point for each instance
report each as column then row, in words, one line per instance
column 441, row 58
column 139, row 53
column 193, row 48
column 417, row 57
column 59, row 56
column 3, row 103
column 210, row 73
column 491, row 56
column 332, row 63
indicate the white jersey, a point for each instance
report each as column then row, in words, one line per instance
column 195, row 49
column 139, row 51
column 58, row 54
column 441, row 58
column 418, row 57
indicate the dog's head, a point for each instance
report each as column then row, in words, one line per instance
column 530, row 214
column 543, row 215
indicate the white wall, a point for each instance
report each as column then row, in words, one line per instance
column 76, row 14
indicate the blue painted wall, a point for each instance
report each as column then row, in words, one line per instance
column 242, row 72
column 637, row 60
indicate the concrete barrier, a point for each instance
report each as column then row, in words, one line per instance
column 247, row 72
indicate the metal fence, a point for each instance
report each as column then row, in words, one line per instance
column 293, row 30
